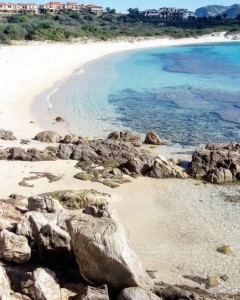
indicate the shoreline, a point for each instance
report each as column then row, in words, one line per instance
column 63, row 60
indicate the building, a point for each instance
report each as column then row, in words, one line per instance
column 54, row 7
column 98, row 10
column 27, row 8
column 169, row 13
column 11, row 8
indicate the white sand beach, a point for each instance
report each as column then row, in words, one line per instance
column 171, row 248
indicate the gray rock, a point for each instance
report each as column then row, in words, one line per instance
column 48, row 137
column 32, row 154
column 5, row 288
column 14, row 247
column 127, row 136
column 103, row 253
column 91, row 293
column 7, row 135
column 45, row 234
column 44, row 204
column 41, row 284
column 59, row 119
column 152, row 138
column 135, row 293
column 217, row 163
column 166, row 168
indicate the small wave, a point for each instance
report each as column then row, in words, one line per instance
column 50, row 105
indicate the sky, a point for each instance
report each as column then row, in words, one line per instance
column 123, row 5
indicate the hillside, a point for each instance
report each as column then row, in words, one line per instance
column 215, row 10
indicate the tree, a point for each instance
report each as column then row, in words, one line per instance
column 225, row 15
column 110, row 11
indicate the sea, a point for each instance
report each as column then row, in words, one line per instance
column 189, row 95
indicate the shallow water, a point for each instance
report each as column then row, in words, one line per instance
column 176, row 225
column 190, row 95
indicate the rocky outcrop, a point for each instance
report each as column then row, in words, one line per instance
column 41, row 284
column 128, row 136
column 44, row 204
column 135, row 293
column 217, row 163
column 152, row 138
column 7, row 135
column 32, row 154
column 48, row 137
column 5, row 288
column 91, row 293
column 14, row 247
column 103, row 252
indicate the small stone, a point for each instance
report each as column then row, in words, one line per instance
column 211, row 282
column 59, row 119
column 24, row 141
column 225, row 249
column 224, row 277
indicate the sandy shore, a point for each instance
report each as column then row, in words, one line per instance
column 28, row 70
column 170, row 247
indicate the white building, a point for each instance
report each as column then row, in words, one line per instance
column 9, row 8
column 169, row 13
column 54, row 7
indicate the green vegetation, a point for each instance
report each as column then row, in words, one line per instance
column 77, row 199
column 69, row 25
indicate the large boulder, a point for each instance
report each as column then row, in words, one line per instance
column 7, row 135
column 103, row 253
column 44, row 204
column 126, row 136
column 91, row 293
column 217, row 163
column 45, row 234
column 166, row 168
column 41, row 284
column 5, row 288
column 152, row 138
column 48, row 137
column 135, row 293
column 14, row 247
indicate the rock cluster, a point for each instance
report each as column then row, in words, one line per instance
column 107, row 267
column 217, row 163
column 7, row 135
column 119, row 154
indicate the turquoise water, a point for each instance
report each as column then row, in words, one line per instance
column 190, row 95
